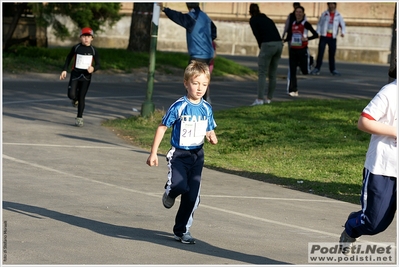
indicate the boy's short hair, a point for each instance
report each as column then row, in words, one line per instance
column 196, row 68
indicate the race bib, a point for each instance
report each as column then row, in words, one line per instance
column 83, row 61
column 296, row 39
column 192, row 133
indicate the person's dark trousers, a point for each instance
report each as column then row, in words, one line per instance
column 207, row 61
column 297, row 57
column 332, row 48
column 77, row 90
column 185, row 171
column 378, row 199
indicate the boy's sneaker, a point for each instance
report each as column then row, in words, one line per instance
column 75, row 103
column 268, row 101
column 258, row 102
column 315, row 71
column 185, row 238
column 335, row 73
column 167, row 201
column 79, row 122
column 346, row 243
column 294, row 93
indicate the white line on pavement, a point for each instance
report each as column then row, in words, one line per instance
column 68, row 146
column 157, row 195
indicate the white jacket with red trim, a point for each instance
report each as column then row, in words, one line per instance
column 322, row 26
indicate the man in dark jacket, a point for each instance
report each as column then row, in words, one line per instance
column 200, row 32
column 271, row 47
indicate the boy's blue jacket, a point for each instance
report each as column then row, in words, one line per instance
column 200, row 31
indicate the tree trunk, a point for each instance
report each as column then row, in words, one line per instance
column 140, row 27
column 393, row 47
column 19, row 9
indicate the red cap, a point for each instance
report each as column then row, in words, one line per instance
column 86, row 31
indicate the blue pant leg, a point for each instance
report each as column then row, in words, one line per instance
column 332, row 48
column 378, row 199
column 191, row 198
column 177, row 174
column 320, row 53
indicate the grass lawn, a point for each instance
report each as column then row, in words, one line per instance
column 309, row 145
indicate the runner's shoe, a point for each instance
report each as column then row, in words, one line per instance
column 167, row 201
column 315, row 71
column 258, row 102
column 79, row 122
column 335, row 73
column 75, row 103
column 185, row 238
column 346, row 243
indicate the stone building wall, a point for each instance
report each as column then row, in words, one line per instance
column 368, row 35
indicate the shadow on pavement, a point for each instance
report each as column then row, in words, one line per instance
column 323, row 189
column 125, row 232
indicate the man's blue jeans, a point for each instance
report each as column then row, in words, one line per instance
column 332, row 48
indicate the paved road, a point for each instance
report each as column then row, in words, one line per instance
column 85, row 196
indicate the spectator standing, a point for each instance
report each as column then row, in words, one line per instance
column 200, row 32
column 84, row 54
column 379, row 190
column 298, row 38
column 329, row 23
column 271, row 47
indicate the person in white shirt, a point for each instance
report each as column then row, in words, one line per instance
column 378, row 195
column 329, row 23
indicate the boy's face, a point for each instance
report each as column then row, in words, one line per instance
column 196, row 87
column 86, row 39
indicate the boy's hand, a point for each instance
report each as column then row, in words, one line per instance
column 152, row 160
column 211, row 137
column 63, row 75
column 90, row 69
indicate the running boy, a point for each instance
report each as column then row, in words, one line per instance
column 191, row 119
column 378, row 196
column 84, row 54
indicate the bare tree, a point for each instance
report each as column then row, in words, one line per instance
column 140, row 27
